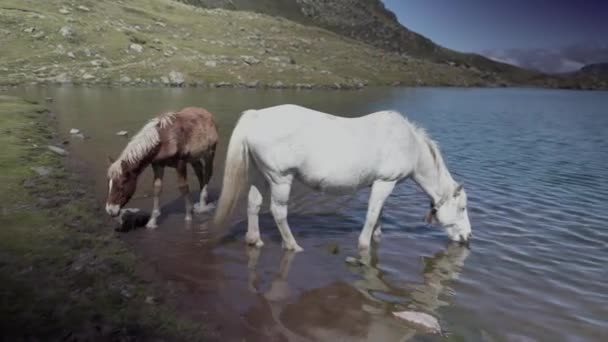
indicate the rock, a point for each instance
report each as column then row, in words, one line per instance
column 278, row 85
column 49, row 99
column 125, row 79
column 254, row 84
column 281, row 59
column 74, row 131
column 333, row 248
column 354, row 261
column 71, row 55
column 420, row 319
column 57, row 150
column 83, row 8
column 64, row 10
column 223, row 85
column 29, row 30
column 38, row 35
column 151, row 300
column 304, row 86
column 100, row 63
column 250, row 60
column 42, row 171
column 176, row 78
column 136, row 47
column 88, row 77
column 63, row 78
column 67, row 32
column 132, row 218
column 164, row 80
column 88, row 52
column 122, row 133
column 211, row 64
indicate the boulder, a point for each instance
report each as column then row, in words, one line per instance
column 176, row 78
column 136, row 47
column 421, row 320
column 67, row 32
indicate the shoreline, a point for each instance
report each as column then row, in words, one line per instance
column 296, row 87
column 65, row 272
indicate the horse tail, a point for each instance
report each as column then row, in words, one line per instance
column 235, row 171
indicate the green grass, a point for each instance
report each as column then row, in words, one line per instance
column 179, row 37
column 63, row 272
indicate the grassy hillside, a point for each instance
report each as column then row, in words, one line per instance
column 164, row 42
column 168, row 42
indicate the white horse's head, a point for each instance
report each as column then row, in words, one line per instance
column 451, row 213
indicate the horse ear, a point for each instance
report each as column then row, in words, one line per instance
column 110, row 160
column 458, row 189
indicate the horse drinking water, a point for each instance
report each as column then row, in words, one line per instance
column 337, row 155
column 172, row 139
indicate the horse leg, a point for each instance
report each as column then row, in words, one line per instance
column 253, row 222
column 380, row 191
column 279, row 196
column 378, row 228
column 200, row 169
column 182, row 183
column 158, row 185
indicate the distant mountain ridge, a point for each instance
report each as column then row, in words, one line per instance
column 553, row 61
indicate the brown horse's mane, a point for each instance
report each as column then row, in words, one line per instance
column 138, row 148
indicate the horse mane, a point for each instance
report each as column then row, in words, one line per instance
column 142, row 143
column 433, row 147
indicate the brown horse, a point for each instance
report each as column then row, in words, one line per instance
column 174, row 140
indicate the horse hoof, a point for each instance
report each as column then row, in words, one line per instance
column 203, row 208
column 295, row 248
column 254, row 241
column 151, row 226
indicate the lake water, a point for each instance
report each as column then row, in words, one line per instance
column 534, row 163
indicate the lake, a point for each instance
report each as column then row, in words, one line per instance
column 534, row 164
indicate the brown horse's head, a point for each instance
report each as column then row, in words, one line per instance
column 121, row 186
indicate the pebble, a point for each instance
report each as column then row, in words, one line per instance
column 42, row 171
column 122, row 133
column 57, row 150
column 353, row 261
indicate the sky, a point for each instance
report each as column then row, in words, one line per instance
column 477, row 25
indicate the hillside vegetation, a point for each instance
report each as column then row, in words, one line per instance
column 167, row 42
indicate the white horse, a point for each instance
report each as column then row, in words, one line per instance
column 339, row 156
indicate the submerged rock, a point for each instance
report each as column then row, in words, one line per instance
column 420, row 319
column 132, row 218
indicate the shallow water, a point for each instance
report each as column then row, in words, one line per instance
column 534, row 165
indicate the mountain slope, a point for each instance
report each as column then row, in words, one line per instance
column 168, row 42
column 371, row 22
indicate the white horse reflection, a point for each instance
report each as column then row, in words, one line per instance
column 340, row 311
